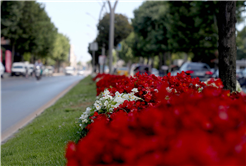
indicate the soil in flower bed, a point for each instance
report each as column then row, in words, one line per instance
column 42, row 142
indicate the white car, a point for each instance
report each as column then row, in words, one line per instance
column 1, row 69
column 48, row 71
column 30, row 69
column 18, row 69
column 80, row 72
column 69, row 70
column 155, row 72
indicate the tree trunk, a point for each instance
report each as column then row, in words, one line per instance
column 164, row 58
column 227, row 44
column 129, row 65
column 170, row 61
column 148, row 60
column 58, row 66
column 152, row 62
column 160, row 62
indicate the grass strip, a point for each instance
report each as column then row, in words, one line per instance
column 43, row 141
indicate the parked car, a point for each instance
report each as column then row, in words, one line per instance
column 239, row 73
column 244, row 72
column 142, row 69
column 30, row 69
column 2, row 68
column 155, row 72
column 50, row 70
column 215, row 73
column 122, row 71
column 19, row 68
column 69, row 70
column 241, row 77
column 81, row 72
column 197, row 69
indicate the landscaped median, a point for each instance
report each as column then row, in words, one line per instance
column 140, row 120
column 43, row 141
column 170, row 120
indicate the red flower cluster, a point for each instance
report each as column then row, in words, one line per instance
column 207, row 128
column 107, row 80
column 148, row 85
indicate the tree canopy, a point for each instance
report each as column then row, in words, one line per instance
column 122, row 29
column 29, row 28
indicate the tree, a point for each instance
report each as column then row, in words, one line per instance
column 122, row 30
column 28, row 27
column 11, row 13
column 61, row 49
column 126, row 52
column 193, row 27
column 150, row 31
column 38, row 33
column 227, row 44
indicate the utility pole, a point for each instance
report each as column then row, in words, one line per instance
column 111, row 33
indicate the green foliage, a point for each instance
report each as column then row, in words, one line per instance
column 11, row 13
column 150, row 29
column 192, row 26
column 60, row 48
column 27, row 56
column 178, row 26
column 28, row 27
column 122, row 29
column 38, row 31
column 126, row 52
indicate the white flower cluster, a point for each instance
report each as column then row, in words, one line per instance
column 169, row 90
column 106, row 103
column 238, row 87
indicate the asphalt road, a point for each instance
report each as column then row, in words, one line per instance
column 23, row 96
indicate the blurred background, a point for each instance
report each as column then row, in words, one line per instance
column 156, row 37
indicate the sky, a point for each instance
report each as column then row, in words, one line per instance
column 78, row 20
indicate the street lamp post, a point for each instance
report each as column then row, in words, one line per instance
column 111, row 34
column 103, row 50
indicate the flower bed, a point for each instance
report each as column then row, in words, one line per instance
column 171, row 121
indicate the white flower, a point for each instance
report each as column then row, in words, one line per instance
column 106, row 103
column 84, row 120
column 156, row 90
column 119, row 100
column 117, row 94
column 132, row 97
column 169, row 90
column 88, row 109
column 108, row 97
column 135, row 90
column 106, row 92
column 84, row 116
column 98, row 102
column 111, row 110
column 98, row 107
column 125, row 96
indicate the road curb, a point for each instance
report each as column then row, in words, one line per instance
column 14, row 129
